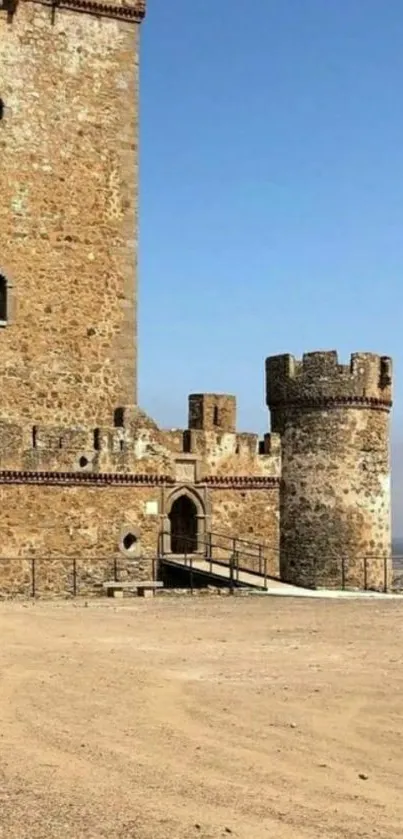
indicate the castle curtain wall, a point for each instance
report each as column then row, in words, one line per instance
column 251, row 515
column 75, row 530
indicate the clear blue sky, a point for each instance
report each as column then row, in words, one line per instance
column 271, row 193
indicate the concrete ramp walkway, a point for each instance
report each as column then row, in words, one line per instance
column 217, row 572
column 220, row 572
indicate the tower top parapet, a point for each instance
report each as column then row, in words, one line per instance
column 130, row 10
column 319, row 381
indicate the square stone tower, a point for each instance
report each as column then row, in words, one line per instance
column 68, row 209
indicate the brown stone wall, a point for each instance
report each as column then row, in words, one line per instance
column 335, row 489
column 335, row 498
column 319, row 377
column 251, row 515
column 139, row 449
column 212, row 411
column 68, row 214
column 224, row 453
column 55, row 525
column 61, row 540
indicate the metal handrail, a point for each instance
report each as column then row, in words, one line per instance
column 76, row 575
column 236, row 561
column 207, row 541
column 238, row 539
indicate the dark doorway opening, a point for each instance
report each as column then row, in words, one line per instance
column 183, row 518
column 3, row 299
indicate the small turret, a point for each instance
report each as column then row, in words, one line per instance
column 212, row 412
column 335, row 492
column 320, row 381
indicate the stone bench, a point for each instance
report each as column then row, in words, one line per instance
column 114, row 588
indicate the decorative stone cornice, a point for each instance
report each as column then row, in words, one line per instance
column 82, row 478
column 8, row 476
column 240, row 482
column 133, row 13
column 330, row 402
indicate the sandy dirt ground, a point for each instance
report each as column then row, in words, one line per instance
column 205, row 717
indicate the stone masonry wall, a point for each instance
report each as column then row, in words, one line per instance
column 335, row 499
column 68, row 214
column 212, row 412
column 335, row 487
column 251, row 515
column 69, row 495
column 57, row 525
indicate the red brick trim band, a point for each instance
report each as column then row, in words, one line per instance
column 329, row 402
column 133, row 14
column 77, row 478
column 125, row 479
column 240, row 482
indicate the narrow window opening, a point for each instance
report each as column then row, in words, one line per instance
column 3, row 299
column 118, row 417
column 216, row 416
column 122, row 445
column 83, row 461
column 97, row 439
column 34, row 437
column 1, row 109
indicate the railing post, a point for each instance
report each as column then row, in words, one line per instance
column 33, row 580
column 231, row 572
column 385, row 575
column 115, row 569
column 265, row 570
column 74, row 577
column 191, row 575
column 260, row 560
column 365, row 574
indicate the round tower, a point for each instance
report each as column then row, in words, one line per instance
column 335, row 516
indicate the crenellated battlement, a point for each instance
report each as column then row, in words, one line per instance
column 134, row 444
column 212, row 412
column 319, row 380
column 132, row 11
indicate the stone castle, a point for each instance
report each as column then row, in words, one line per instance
column 84, row 473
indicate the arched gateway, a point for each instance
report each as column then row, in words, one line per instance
column 184, row 525
column 184, row 522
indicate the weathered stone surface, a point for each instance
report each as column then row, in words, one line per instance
column 84, row 472
column 69, row 494
column 253, row 516
column 68, row 214
column 212, row 411
column 335, row 488
column 74, row 530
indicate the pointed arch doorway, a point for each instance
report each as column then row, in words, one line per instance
column 184, row 525
column 184, row 528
